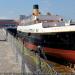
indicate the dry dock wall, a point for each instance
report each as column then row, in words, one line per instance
column 30, row 62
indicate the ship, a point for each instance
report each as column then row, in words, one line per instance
column 49, row 31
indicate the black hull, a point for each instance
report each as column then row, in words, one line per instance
column 58, row 45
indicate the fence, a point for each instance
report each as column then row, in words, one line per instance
column 37, row 65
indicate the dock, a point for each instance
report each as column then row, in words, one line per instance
column 8, row 62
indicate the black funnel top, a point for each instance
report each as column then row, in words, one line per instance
column 35, row 7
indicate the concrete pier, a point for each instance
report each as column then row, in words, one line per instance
column 8, row 62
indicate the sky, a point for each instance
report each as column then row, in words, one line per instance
column 14, row 8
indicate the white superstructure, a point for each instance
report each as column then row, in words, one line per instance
column 38, row 23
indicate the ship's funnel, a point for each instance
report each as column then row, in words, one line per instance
column 36, row 10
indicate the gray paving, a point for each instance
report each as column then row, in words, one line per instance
column 8, row 62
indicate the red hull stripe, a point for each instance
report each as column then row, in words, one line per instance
column 59, row 53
